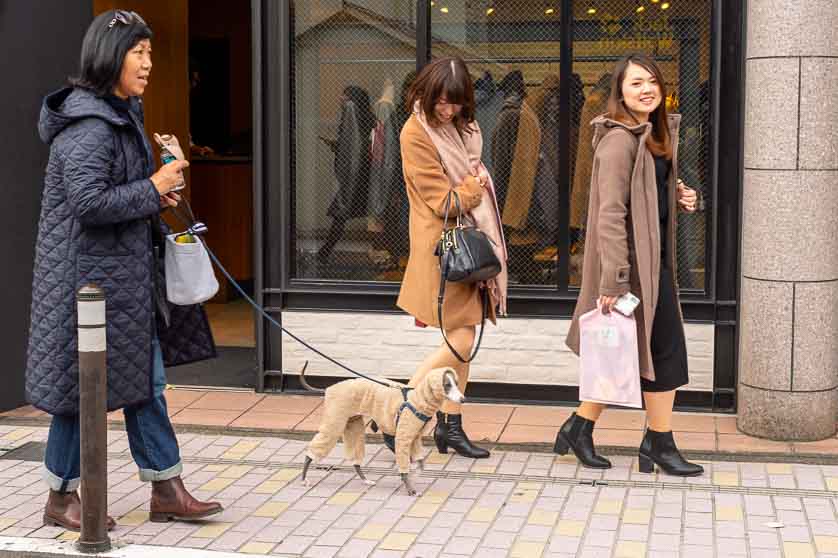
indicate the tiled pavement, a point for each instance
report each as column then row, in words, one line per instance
column 517, row 503
column 502, row 424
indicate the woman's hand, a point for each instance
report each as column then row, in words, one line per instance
column 607, row 303
column 687, row 197
column 481, row 175
column 169, row 176
column 169, row 200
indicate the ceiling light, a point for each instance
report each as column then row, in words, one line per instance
column 591, row 11
column 549, row 11
column 444, row 10
column 665, row 6
column 641, row 9
column 654, row 1
column 433, row 3
column 490, row 11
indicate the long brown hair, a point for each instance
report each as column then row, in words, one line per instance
column 659, row 142
column 446, row 77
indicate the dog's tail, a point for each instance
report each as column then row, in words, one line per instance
column 305, row 383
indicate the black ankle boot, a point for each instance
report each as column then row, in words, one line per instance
column 658, row 448
column 577, row 434
column 449, row 433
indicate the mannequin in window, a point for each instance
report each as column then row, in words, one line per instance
column 488, row 104
column 518, row 202
column 382, row 167
column 593, row 107
column 544, row 213
column 395, row 214
column 352, row 165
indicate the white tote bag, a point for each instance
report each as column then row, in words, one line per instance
column 609, row 367
column 190, row 278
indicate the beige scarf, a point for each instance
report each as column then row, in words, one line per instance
column 460, row 154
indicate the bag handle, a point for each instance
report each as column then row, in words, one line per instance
column 485, row 304
column 452, row 193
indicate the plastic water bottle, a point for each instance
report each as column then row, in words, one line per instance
column 167, row 157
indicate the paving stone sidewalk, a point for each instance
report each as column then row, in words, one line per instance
column 515, row 504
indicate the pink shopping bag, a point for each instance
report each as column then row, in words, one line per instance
column 609, row 370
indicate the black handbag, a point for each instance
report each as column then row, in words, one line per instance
column 465, row 255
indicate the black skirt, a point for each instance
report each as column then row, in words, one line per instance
column 668, row 345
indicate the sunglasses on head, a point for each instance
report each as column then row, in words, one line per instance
column 126, row 18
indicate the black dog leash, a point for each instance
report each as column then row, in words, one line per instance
column 197, row 228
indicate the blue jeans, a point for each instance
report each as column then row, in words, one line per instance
column 150, row 437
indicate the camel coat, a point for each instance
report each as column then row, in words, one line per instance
column 427, row 190
column 622, row 243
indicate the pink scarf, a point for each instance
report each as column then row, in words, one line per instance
column 460, row 154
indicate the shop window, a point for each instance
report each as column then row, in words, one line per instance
column 353, row 62
column 677, row 35
column 354, row 59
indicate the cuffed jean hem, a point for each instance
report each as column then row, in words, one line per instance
column 58, row 484
column 150, row 475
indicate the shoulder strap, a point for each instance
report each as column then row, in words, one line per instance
column 485, row 304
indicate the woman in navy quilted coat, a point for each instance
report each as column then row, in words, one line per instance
column 100, row 223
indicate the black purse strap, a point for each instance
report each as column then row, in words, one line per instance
column 485, row 303
column 451, row 194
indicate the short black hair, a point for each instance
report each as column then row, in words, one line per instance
column 103, row 51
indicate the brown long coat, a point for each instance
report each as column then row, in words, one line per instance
column 622, row 244
column 427, row 191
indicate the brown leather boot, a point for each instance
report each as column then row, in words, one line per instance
column 64, row 510
column 170, row 500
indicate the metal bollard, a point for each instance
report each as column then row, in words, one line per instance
column 93, row 396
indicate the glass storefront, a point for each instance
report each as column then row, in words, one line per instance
column 353, row 60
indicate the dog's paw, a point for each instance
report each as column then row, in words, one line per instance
column 411, row 492
column 306, row 482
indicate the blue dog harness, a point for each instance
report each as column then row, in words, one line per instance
column 408, row 405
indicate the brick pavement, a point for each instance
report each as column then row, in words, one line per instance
column 534, row 425
column 517, row 504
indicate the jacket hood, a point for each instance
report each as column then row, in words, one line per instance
column 485, row 89
column 513, row 101
column 602, row 125
column 67, row 105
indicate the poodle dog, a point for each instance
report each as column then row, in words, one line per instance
column 397, row 409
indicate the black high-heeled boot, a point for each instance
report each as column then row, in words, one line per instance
column 577, row 434
column 449, row 433
column 658, row 448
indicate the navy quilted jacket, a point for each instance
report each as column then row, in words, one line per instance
column 99, row 216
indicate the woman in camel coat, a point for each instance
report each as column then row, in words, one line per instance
column 630, row 247
column 449, row 91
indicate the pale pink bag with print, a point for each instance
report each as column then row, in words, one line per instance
column 609, row 369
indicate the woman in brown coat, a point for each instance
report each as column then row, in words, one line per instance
column 442, row 98
column 630, row 247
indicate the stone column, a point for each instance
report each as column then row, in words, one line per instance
column 788, row 343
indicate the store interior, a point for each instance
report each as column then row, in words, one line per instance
column 200, row 90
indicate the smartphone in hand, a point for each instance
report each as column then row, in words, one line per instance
column 626, row 304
